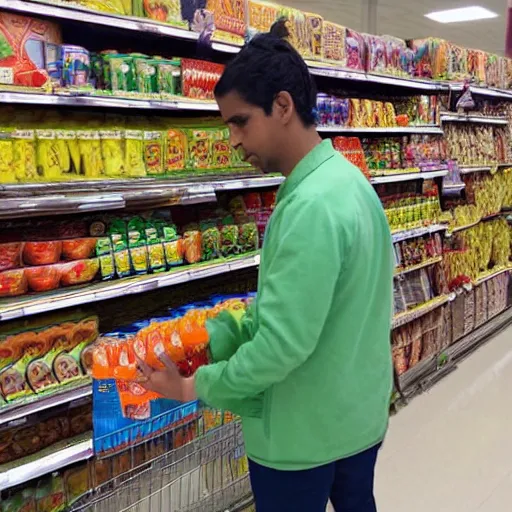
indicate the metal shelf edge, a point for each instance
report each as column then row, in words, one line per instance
column 393, row 178
column 47, row 464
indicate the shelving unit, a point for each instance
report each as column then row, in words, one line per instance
column 97, row 197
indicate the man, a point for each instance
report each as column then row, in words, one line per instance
column 309, row 367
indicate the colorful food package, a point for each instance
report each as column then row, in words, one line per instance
column 134, row 154
column 78, row 248
column 122, row 73
column 334, row 43
column 168, row 77
column 10, row 255
column 355, row 50
column 105, row 255
column 176, row 151
column 22, row 49
column 375, row 54
column 397, row 61
column 49, row 167
column 221, row 149
column 262, row 15
column 43, row 278
column 76, row 66
column 167, row 11
column 229, row 237
column 24, row 155
column 76, row 483
column 145, row 75
column 457, row 62
column 211, row 241
column 113, row 153
column 314, row 36
column 50, row 495
column 229, row 19
column 199, row 149
column 13, row 283
column 248, row 238
column 432, row 58
column 42, row 253
column 199, row 78
column 154, row 153
column 476, row 65
column 192, row 246
column 23, row 500
column 89, row 145
column 173, row 247
column 79, row 272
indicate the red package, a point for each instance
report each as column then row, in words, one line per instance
column 22, row 56
column 13, row 282
column 79, row 272
column 42, row 279
column 10, row 255
column 42, row 253
column 78, row 249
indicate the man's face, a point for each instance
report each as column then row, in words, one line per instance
column 252, row 131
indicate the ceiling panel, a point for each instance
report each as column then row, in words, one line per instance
column 405, row 19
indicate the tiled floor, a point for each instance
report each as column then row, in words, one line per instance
column 450, row 450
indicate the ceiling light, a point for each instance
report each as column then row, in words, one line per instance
column 462, row 14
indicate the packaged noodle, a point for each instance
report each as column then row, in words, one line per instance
column 105, row 255
column 112, row 151
column 89, row 144
column 173, row 246
column 155, row 248
column 210, row 238
column 48, row 163
column 135, row 167
column 153, row 153
column 137, row 246
column 192, row 246
column 175, row 151
column 121, row 255
column 24, row 155
column 7, row 171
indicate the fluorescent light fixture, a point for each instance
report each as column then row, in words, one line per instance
column 463, row 14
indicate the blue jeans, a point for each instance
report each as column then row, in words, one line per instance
column 348, row 483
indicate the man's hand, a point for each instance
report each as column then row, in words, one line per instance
column 168, row 383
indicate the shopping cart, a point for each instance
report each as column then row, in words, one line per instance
column 198, row 466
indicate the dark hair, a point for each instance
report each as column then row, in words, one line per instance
column 267, row 65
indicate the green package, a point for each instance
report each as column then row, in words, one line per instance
column 156, row 253
column 146, row 75
column 121, row 255
column 106, row 258
column 122, row 73
column 169, row 77
column 137, row 246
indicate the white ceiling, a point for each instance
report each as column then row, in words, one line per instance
column 405, row 19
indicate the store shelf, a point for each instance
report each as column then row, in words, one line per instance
column 385, row 131
column 414, row 314
column 17, row 412
column 87, row 196
column 399, row 236
column 63, row 298
column 487, row 277
column 75, row 13
column 463, row 118
column 92, row 101
column 489, row 92
column 49, row 460
column 395, row 178
column 472, row 169
column 413, row 268
column 319, row 69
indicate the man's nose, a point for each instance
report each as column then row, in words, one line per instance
column 235, row 139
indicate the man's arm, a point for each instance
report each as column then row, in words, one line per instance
column 293, row 304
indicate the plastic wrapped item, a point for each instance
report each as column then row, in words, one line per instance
column 355, row 50
column 229, row 18
column 42, row 253
column 334, row 43
column 262, row 15
column 79, row 272
column 192, row 246
column 476, row 65
column 154, row 153
column 10, row 255
column 89, row 145
column 176, row 151
column 167, row 11
column 24, row 155
column 375, row 54
column 113, row 153
column 13, row 283
column 199, row 78
column 432, row 58
column 45, row 278
column 457, row 63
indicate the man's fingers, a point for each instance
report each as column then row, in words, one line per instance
column 144, row 367
column 168, row 362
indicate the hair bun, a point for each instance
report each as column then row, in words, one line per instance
column 280, row 29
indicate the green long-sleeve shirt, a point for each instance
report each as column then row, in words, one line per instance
column 309, row 367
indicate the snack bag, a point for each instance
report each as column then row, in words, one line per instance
column 153, row 153
column 113, row 153
column 355, row 50
column 334, row 43
column 176, row 154
column 24, row 155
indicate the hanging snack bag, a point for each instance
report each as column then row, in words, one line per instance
column 24, row 155
column 89, row 144
column 155, row 248
column 105, row 257
column 192, row 246
column 173, row 246
column 112, row 151
column 176, row 154
column 153, row 153
column 229, row 237
column 134, row 154
column 137, row 246
column 210, row 237
column 169, row 77
column 121, row 255
column 199, row 149
column 248, row 238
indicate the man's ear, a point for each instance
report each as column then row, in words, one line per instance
column 284, row 107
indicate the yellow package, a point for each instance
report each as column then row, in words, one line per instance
column 89, row 144
column 134, row 155
column 24, row 155
column 48, row 163
column 7, row 174
column 66, row 141
column 153, row 153
column 112, row 150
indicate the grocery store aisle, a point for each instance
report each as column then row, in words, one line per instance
column 450, row 450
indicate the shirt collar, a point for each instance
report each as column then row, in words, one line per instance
column 316, row 157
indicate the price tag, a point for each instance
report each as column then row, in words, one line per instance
column 6, row 76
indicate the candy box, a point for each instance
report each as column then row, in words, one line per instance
column 22, row 55
column 76, row 66
column 314, row 36
column 431, row 57
column 262, row 15
column 457, row 62
column 375, row 54
column 476, row 65
column 355, row 50
column 334, row 42
column 229, row 18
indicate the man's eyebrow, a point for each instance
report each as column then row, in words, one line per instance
column 237, row 118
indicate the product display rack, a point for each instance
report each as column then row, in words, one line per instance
column 176, row 480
